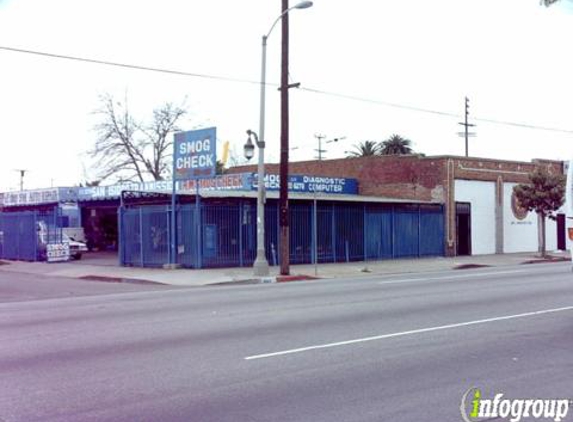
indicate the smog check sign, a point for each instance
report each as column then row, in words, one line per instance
column 195, row 154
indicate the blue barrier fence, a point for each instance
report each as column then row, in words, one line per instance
column 19, row 238
column 210, row 235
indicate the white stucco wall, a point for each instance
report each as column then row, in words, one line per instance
column 521, row 235
column 518, row 235
column 481, row 196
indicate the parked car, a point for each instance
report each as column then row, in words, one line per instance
column 76, row 248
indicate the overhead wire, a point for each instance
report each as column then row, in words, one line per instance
column 127, row 65
column 302, row 88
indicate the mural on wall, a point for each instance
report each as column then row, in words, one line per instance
column 519, row 212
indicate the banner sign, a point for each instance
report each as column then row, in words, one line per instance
column 223, row 182
column 114, row 191
column 194, row 154
column 237, row 181
column 226, row 182
column 38, row 196
column 306, row 184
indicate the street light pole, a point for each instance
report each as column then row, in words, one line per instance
column 261, row 265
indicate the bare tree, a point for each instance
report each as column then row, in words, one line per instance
column 159, row 139
column 126, row 147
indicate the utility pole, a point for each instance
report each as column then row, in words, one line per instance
column 284, row 176
column 319, row 138
column 466, row 133
column 22, row 174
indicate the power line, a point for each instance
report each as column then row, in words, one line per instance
column 440, row 113
column 372, row 101
column 252, row 82
column 127, row 65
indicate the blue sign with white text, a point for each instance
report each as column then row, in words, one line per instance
column 319, row 184
column 194, row 154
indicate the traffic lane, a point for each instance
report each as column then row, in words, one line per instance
column 218, row 335
column 229, row 301
column 331, row 318
column 407, row 379
column 394, row 379
column 133, row 348
column 17, row 287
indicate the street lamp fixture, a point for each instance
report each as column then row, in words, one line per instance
column 306, row 4
column 249, row 147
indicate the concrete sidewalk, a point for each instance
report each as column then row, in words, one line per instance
column 108, row 270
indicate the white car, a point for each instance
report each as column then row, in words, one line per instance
column 76, row 248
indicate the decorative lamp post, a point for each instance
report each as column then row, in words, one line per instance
column 261, row 265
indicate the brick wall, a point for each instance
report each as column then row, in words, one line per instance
column 411, row 176
column 490, row 170
column 405, row 177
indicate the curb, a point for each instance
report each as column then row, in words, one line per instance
column 266, row 280
column 545, row 260
column 107, row 279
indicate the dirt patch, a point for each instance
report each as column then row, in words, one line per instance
column 546, row 260
column 287, row 278
column 4, row 262
column 470, row 266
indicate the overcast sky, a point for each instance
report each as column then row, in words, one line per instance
column 512, row 58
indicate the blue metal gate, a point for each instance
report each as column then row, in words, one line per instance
column 215, row 235
column 20, row 233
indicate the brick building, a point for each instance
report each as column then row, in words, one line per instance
column 480, row 215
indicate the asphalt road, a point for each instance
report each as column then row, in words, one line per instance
column 17, row 287
column 402, row 348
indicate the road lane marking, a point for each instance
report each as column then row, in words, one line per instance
column 451, row 277
column 408, row 333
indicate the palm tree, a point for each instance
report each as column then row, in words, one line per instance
column 395, row 145
column 364, row 149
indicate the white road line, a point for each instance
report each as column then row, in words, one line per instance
column 451, row 277
column 410, row 332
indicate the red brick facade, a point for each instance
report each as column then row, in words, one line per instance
column 414, row 177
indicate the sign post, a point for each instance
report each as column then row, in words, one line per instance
column 194, row 157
